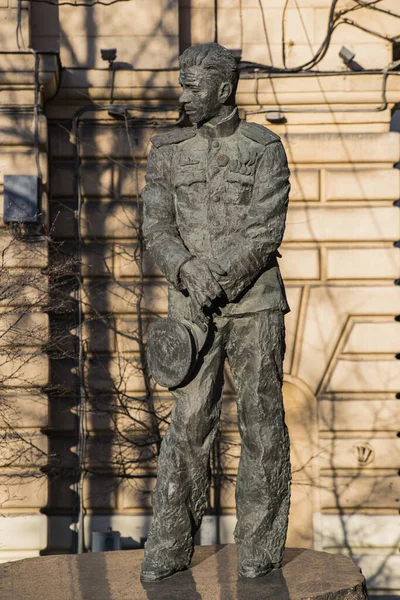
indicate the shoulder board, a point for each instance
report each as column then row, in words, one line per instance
column 173, row 137
column 259, row 133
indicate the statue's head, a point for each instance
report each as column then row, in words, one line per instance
column 209, row 77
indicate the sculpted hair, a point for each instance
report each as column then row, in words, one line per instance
column 213, row 57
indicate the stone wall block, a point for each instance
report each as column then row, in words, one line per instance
column 362, row 184
column 7, row 32
column 102, row 142
column 99, row 179
column 372, row 491
column 127, row 262
column 136, row 493
column 380, row 570
column 357, row 530
column 201, row 24
column 109, row 219
column 111, row 179
column 359, row 375
column 381, row 336
column 105, row 453
column 361, row 453
column 22, row 162
column 383, row 24
column 346, row 415
column 106, row 20
column 100, row 335
column 18, row 130
column 27, row 329
column 336, row 148
column 23, row 408
column 349, row 223
column 17, row 254
column 226, row 495
column 138, row 412
column 376, row 55
column 23, row 532
column 305, row 185
column 25, row 370
column 122, row 373
column 142, row 52
column 339, row 118
column 23, row 449
column 303, row 85
column 300, row 263
column 119, row 260
column 100, row 492
column 100, row 412
column 363, row 263
column 63, row 219
column 112, row 297
column 127, row 339
column 228, row 26
column 267, row 4
column 21, row 491
column 299, row 27
column 97, row 260
column 27, row 290
column 114, row 142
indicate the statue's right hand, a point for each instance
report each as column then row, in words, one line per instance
column 199, row 281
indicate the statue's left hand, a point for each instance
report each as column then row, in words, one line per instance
column 200, row 282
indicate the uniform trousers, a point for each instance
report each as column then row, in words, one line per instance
column 254, row 345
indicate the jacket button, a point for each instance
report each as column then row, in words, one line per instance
column 215, row 144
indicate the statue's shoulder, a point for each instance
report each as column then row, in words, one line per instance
column 258, row 133
column 176, row 136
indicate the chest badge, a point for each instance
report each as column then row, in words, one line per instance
column 222, row 160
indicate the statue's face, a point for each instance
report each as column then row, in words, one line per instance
column 201, row 95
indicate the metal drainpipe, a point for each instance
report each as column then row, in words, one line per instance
column 216, row 21
column 81, row 414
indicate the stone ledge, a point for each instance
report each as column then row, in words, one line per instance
column 306, row 575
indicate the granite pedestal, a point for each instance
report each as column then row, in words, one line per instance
column 306, row 575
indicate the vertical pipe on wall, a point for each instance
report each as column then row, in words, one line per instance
column 216, row 21
column 82, row 398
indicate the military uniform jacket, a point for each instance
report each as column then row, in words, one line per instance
column 220, row 193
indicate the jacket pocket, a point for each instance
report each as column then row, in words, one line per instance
column 239, row 188
column 189, row 177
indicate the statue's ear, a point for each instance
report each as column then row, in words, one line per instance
column 224, row 92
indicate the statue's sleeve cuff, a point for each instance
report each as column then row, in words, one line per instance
column 173, row 263
column 179, row 285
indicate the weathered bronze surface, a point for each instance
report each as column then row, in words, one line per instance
column 215, row 205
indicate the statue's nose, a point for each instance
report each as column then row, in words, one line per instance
column 183, row 97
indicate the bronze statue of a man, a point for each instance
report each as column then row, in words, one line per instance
column 215, row 205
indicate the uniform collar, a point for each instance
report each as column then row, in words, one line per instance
column 222, row 129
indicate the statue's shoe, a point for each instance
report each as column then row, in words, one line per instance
column 250, row 570
column 152, row 572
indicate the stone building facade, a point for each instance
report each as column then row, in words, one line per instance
column 89, row 138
